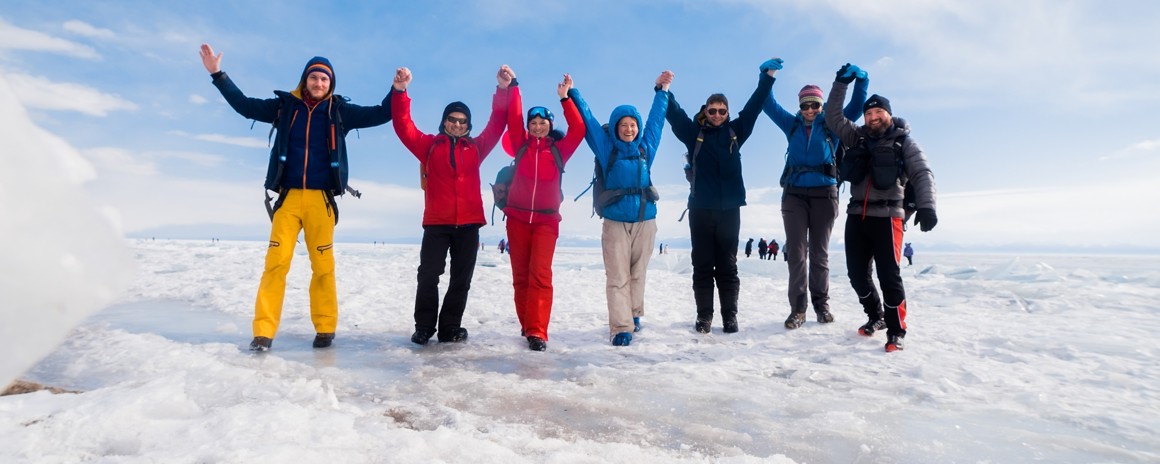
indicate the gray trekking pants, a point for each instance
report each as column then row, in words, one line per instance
column 808, row 215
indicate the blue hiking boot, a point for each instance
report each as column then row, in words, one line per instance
column 636, row 322
column 622, row 339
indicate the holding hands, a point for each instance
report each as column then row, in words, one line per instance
column 563, row 87
column 402, row 79
column 505, row 76
column 771, row 66
column 849, row 72
column 212, row 63
column 664, row 80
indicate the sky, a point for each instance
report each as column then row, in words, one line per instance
column 163, row 373
column 1035, row 115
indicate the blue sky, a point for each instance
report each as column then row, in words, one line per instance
column 1037, row 116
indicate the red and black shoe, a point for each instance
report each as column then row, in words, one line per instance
column 894, row 343
column 873, row 325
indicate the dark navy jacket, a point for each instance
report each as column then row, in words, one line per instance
column 297, row 160
column 718, row 183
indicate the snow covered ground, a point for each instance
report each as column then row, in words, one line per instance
column 1009, row 359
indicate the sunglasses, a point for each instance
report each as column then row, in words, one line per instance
column 540, row 112
column 811, row 106
column 455, row 120
column 716, row 111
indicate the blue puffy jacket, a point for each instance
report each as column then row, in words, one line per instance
column 811, row 151
column 629, row 171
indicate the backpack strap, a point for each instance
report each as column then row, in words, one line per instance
column 610, row 196
column 693, row 158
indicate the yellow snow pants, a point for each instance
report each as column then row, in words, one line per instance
column 307, row 210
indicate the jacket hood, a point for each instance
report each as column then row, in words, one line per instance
column 316, row 64
column 619, row 113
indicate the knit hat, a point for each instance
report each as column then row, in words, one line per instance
column 876, row 101
column 455, row 107
column 810, row 93
column 320, row 65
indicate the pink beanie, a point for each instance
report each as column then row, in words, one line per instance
column 810, row 93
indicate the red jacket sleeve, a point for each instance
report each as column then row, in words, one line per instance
column 415, row 140
column 567, row 146
column 517, row 134
column 495, row 124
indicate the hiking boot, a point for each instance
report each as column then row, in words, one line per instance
column 871, row 326
column 622, row 339
column 537, row 344
column 261, row 344
column 702, row 326
column 636, row 324
column 729, row 325
column 457, row 335
column 795, row 320
column 894, row 343
column 323, row 340
column 825, row 317
column 422, row 336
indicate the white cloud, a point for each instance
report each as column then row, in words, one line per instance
column 16, row 38
column 87, row 30
column 249, row 142
column 197, row 99
column 38, row 92
column 120, row 160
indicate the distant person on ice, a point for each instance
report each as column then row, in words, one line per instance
column 749, row 248
column 308, row 168
column 908, row 252
column 626, row 150
column 771, row 253
column 762, row 248
column 453, row 204
column 533, row 203
column 875, row 215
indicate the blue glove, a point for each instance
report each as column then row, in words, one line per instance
column 852, row 72
column 861, row 74
column 926, row 219
column 844, row 75
column 774, row 64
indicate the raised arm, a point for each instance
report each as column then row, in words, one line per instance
column 517, row 134
column 838, row 123
column 415, row 140
column 780, row 116
column 853, row 110
column 743, row 125
column 598, row 140
column 487, row 139
column 655, row 124
column 683, row 127
column 258, row 109
column 576, row 126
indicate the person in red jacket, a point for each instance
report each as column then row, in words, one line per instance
column 453, row 205
column 533, row 204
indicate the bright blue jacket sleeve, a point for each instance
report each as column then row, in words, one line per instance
column 853, row 110
column 594, row 133
column 780, row 116
column 654, row 126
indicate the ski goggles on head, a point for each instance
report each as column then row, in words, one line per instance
column 540, row 112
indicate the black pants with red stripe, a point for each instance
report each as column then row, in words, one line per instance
column 877, row 242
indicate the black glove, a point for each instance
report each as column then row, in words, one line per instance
column 926, row 219
column 844, row 75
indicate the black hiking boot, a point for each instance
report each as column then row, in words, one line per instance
column 537, row 344
column 729, row 325
column 871, row 326
column 825, row 317
column 422, row 336
column 323, row 340
column 261, row 344
column 702, row 326
column 795, row 320
column 457, row 335
column 894, row 343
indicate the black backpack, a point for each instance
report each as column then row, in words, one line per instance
column 505, row 176
column 883, row 171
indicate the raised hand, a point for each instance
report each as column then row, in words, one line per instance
column 563, row 87
column 505, row 76
column 402, row 79
column 665, row 79
column 844, row 75
column 212, row 63
column 771, row 65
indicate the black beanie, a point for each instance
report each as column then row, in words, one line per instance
column 453, row 107
column 877, row 101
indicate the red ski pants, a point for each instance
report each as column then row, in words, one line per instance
column 532, row 247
